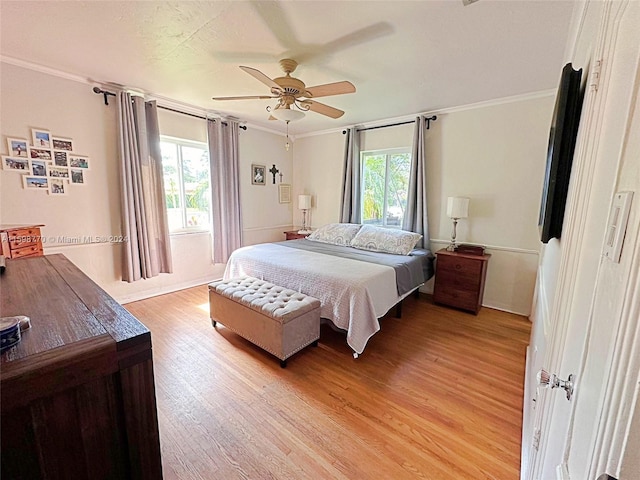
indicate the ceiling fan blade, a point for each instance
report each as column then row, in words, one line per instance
column 323, row 109
column 247, row 97
column 257, row 74
column 337, row 88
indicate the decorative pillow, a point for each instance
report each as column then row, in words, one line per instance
column 335, row 233
column 387, row 240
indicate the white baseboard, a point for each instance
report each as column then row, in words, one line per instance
column 134, row 297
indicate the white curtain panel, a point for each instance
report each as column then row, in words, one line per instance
column 350, row 202
column 415, row 216
column 225, row 188
column 147, row 253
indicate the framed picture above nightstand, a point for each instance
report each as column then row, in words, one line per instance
column 460, row 279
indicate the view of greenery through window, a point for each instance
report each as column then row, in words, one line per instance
column 186, row 184
column 385, row 184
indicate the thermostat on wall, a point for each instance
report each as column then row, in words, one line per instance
column 617, row 225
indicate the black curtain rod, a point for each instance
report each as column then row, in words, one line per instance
column 243, row 127
column 429, row 120
column 106, row 102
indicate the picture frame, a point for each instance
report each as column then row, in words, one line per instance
column 62, row 143
column 15, row 164
column 58, row 186
column 258, row 174
column 78, row 161
column 38, row 168
column 284, row 193
column 43, row 154
column 17, row 147
column 41, row 138
column 29, row 182
column 60, row 158
column 77, row 176
column 58, row 172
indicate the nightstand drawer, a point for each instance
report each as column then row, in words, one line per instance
column 466, row 300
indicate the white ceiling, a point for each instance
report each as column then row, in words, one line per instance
column 404, row 57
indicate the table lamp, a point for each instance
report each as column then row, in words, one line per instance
column 304, row 204
column 457, row 208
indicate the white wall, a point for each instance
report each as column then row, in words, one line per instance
column 494, row 154
column 69, row 108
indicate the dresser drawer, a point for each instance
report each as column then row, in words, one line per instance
column 464, row 299
column 28, row 251
column 22, row 238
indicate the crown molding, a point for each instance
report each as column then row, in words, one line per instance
column 443, row 111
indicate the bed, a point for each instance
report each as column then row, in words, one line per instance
column 355, row 286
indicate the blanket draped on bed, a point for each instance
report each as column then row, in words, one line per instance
column 353, row 293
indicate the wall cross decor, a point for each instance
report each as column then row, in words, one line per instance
column 273, row 170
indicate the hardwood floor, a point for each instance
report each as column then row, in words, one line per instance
column 436, row 395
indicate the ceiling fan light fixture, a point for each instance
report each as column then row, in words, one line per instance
column 287, row 114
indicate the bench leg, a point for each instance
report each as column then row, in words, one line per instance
column 283, row 364
column 214, row 323
column 315, row 344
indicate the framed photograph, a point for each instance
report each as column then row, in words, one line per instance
column 60, row 158
column 58, row 172
column 17, row 147
column 38, row 168
column 78, row 161
column 77, row 176
column 40, row 154
column 35, row 183
column 284, row 193
column 15, row 164
column 41, row 138
column 58, row 186
column 60, row 143
column 258, row 174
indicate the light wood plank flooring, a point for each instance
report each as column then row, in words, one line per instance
column 436, row 395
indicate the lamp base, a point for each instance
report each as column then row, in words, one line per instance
column 452, row 247
column 305, row 231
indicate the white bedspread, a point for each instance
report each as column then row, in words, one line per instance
column 353, row 294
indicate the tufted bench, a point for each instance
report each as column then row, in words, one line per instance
column 279, row 320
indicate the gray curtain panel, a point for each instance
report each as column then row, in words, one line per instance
column 415, row 216
column 147, row 253
column 225, row 188
column 350, row 202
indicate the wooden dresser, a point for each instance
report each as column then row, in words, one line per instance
column 19, row 241
column 77, row 393
column 460, row 279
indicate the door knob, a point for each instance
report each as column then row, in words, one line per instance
column 551, row 380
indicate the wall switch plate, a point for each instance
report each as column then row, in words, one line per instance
column 617, row 225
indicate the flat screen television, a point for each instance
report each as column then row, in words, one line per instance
column 562, row 142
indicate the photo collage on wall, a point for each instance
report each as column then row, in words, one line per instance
column 48, row 163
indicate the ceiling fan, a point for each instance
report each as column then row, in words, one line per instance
column 293, row 94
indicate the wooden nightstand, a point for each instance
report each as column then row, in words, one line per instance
column 460, row 279
column 294, row 235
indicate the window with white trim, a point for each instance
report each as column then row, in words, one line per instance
column 384, row 186
column 185, row 165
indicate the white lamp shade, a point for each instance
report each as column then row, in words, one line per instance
column 304, row 202
column 287, row 114
column 457, row 207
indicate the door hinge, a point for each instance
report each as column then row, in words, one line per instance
column 594, row 83
column 536, row 439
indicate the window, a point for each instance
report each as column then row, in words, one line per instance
column 185, row 165
column 385, row 185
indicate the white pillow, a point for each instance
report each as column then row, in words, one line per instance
column 335, row 233
column 386, row 240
